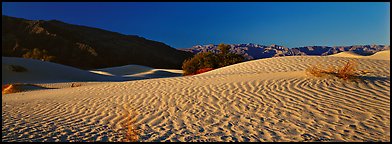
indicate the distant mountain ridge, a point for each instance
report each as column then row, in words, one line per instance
column 256, row 51
column 85, row 47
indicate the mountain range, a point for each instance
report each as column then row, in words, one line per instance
column 256, row 51
column 85, row 47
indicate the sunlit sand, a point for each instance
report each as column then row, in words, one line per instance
column 271, row 99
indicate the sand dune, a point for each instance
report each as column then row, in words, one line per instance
column 347, row 54
column 382, row 55
column 262, row 100
column 48, row 72
column 41, row 72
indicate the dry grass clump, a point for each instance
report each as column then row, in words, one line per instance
column 75, row 85
column 346, row 72
column 8, row 88
column 13, row 88
column 131, row 133
column 317, row 71
column 19, row 87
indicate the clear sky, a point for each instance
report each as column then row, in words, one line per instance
column 185, row 24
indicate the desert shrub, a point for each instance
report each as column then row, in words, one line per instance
column 19, row 87
column 12, row 88
column 189, row 66
column 204, row 60
column 317, row 71
column 131, row 133
column 231, row 58
column 7, row 88
column 39, row 54
column 224, row 49
column 75, row 85
column 226, row 58
column 346, row 72
column 200, row 61
column 17, row 68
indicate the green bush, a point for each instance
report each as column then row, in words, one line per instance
column 227, row 58
column 224, row 49
column 204, row 60
column 199, row 61
column 230, row 58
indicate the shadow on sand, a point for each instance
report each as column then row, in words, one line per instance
column 372, row 78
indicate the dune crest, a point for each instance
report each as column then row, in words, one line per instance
column 381, row 55
column 347, row 54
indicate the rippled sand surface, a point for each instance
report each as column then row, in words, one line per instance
column 262, row 100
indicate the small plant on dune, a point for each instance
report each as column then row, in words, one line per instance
column 318, row 71
column 19, row 87
column 346, row 72
column 75, row 85
column 131, row 133
column 17, row 68
column 10, row 88
column 7, row 88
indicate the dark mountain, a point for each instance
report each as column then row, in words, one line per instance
column 256, row 51
column 85, row 47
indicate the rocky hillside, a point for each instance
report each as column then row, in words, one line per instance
column 84, row 47
column 256, row 51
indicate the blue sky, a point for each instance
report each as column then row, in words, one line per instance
column 185, row 24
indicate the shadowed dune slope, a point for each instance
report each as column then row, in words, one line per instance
column 41, row 71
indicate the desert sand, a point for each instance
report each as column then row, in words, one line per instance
column 271, row 99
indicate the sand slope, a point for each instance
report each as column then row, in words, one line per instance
column 262, row 100
column 382, row 55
